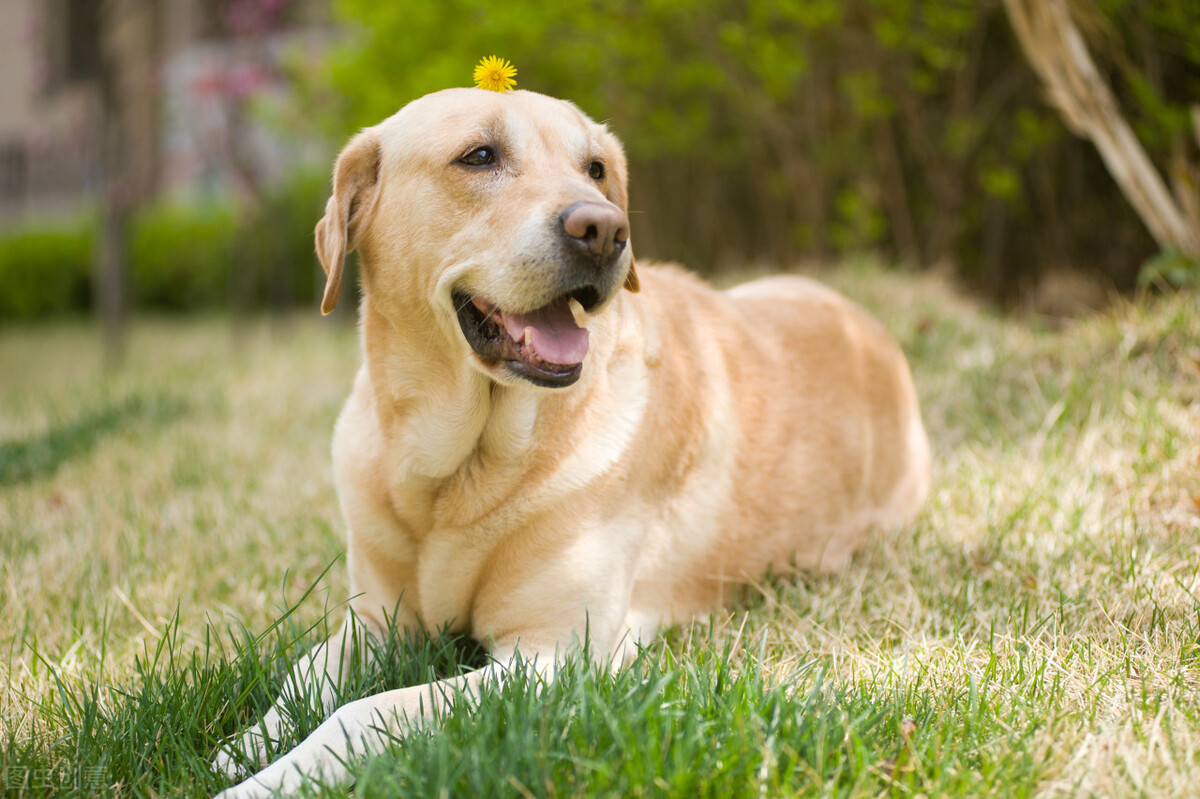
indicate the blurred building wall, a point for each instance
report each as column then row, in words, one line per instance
column 45, row 119
column 188, row 80
column 17, row 64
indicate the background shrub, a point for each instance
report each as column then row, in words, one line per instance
column 274, row 260
column 180, row 256
column 183, row 256
column 45, row 271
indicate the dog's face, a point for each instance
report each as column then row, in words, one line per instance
column 502, row 215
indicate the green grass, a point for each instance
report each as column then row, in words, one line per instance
column 171, row 541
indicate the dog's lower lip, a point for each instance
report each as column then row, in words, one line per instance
column 545, row 377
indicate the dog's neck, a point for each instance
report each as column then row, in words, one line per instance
column 436, row 411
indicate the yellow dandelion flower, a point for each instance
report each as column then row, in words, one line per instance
column 495, row 74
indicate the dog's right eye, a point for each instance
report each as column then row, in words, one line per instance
column 480, row 156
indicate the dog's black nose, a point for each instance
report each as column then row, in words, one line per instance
column 599, row 229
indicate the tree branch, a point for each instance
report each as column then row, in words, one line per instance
column 1059, row 55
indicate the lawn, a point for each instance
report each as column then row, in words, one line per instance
column 171, row 537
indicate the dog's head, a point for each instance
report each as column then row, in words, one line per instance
column 501, row 216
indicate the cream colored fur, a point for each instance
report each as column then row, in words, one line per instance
column 710, row 437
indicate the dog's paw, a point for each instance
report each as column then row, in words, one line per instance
column 246, row 790
column 282, row 778
column 228, row 763
column 240, row 758
column 242, row 755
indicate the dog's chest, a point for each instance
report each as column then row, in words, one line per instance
column 450, row 529
column 449, row 569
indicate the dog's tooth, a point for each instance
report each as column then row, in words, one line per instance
column 529, row 337
column 577, row 311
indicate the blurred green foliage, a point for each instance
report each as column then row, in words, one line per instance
column 44, row 270
column 783, row 128
column 1169, row 269
column 274, row 258
column 179, row 255
column 183, row 256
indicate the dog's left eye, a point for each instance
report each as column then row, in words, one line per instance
column 480, row 156
column 596, row 170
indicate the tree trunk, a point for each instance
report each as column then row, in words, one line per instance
column 109, row 283
column 1058, row 54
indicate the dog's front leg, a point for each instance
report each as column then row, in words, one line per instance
column 365, row 727
column 318, row 673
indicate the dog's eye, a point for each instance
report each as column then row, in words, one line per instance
column 596, row 170
column 480, row 156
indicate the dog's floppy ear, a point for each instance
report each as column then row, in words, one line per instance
column 631, row 279
column 355, row 187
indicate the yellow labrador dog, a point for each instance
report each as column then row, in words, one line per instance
column 544, row 443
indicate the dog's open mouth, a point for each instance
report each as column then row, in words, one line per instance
column 545, row 346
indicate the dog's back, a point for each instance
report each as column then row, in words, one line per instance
column 802, row 434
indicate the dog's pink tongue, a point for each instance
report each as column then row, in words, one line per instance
column 556, row 337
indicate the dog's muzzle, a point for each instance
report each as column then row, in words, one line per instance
column 547, row 345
